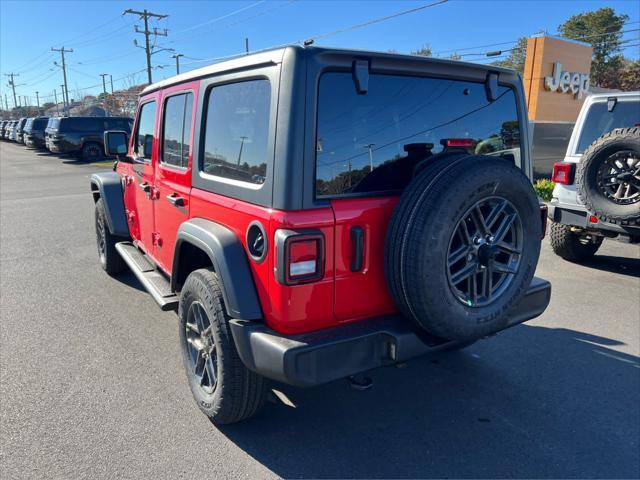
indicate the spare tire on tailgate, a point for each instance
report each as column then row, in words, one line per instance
column 608, row 177
column 463, row 245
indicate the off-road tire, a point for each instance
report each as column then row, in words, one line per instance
column 91, row 152
column 572, row 246
column 239, row 393
column 587, row 181
column 419, row 236
column 110, row 259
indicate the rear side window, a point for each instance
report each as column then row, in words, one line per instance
column 373, row 143
column 39, row 123
column 123, row 124
column 176, row 132
column 600, row 120
column 146, row 129
column 237, row 131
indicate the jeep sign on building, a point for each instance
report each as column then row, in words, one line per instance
column 556, row 83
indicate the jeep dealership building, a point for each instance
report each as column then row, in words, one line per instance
column 556, row 82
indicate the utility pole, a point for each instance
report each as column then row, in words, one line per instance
column 37, row 100
column 55, row 97
column 370, row 147
column 6, row 103
column 104, row 90
column 242, row 138
column 246, row 45
column 64, row 102
column 113, row 98
column 65, row 92
column 177, row 57
column 145, row 14
column 13, row 86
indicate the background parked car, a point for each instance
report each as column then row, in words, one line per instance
column 53, row 121
column 2, row 124
column 34, row 132
column 83, row 136
column 597, row 194
column 18, row 134
column 13, row 134
column 5, row 129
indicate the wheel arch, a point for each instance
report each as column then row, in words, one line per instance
column 108, row 187
column 204, row 243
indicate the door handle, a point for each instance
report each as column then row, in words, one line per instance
column 146, row 188
column 175, row 200
column 357, row 240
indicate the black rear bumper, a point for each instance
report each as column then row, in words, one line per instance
column 579, row 217
column 326, row 355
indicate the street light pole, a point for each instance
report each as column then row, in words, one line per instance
column 37, row 100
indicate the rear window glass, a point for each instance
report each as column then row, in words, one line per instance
column 600, row 121
column 82, row 124
column 373, row 143
column 39, row 123
column 237, row 131
column 118, row 124
column 177, row 130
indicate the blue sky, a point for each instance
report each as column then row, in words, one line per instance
column 102, row 39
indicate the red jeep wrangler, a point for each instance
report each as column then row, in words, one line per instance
column 315, row 213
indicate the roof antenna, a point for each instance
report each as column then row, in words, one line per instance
column 308, row 42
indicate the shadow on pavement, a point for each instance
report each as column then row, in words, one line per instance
column 535, row 402
column 129, row 279
column 622, row 265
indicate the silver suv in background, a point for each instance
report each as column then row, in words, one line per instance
column 597, row 191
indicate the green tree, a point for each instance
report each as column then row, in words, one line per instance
column 424, row 51
column 602, row 29
column 630, row 76
column 517, row 56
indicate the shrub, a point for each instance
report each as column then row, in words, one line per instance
column 544, row 188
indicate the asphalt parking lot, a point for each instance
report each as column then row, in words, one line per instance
column 92, row 383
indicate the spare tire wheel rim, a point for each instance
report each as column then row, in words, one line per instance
column 484, row 252
column 618, row 177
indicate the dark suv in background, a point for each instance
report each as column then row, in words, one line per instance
column 83, row 136
column 33, row 132
column 18, row 129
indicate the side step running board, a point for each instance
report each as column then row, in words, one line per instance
column 152, row 280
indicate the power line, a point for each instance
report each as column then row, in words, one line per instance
column 372, row 22
column 455, row 50
column 214, row 20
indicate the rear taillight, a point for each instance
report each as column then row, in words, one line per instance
column 459, row 142
column 563, row 173
column 299, row 256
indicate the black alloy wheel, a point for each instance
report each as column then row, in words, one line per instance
column 618, row 177
column 202, row 348
column 484, row 252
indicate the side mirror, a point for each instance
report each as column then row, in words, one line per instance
column 148, row 146
column 115, row 143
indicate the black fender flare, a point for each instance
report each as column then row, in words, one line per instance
column 108, row 186
column 229, row 260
